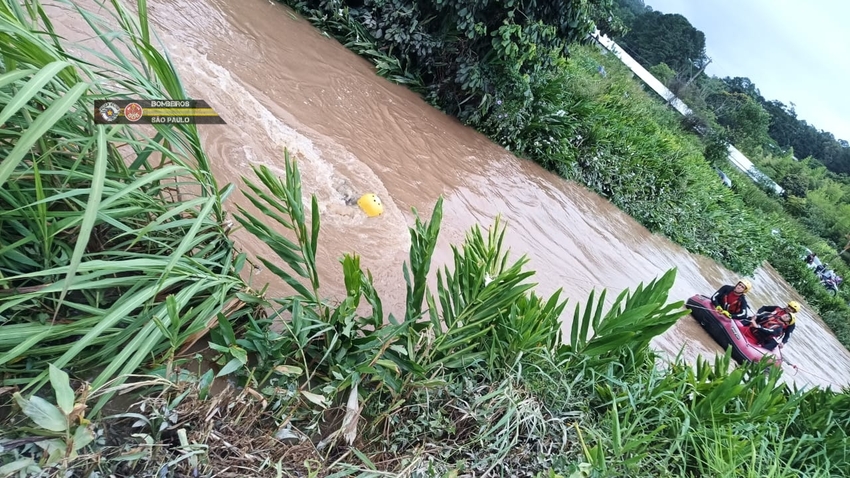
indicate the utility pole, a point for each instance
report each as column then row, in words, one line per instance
column 697, row 73
column 670, row 100
column 845, row 247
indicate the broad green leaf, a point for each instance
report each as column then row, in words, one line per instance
column 43, row 413
column 162, row 327
column 315, row 398
column 288, row 370
column 226, row 330
column 143, row 21
column 239, row 353
column 388, row 364
column 365, row 459
column 173, row 314
column 62, row 387
column 315, row 226
column 231, row 366
column 219, row 348
column 9, row 469
column 56, row 450
column 205, row 383
column 608, row 343
column 82, row 437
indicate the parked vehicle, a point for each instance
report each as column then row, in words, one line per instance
column 831, row 281
column 828, row 278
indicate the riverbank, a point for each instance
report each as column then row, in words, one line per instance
column 473, row 377
column 601, row 130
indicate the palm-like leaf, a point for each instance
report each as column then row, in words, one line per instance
column 92, row 242
column 283, row 205
column 633, row 320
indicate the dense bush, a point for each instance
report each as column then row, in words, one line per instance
column 464, row 55
column 787, row 259
column 754, row 196
column 611, row 136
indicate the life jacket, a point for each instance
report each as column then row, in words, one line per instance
column 732, row 302
column 774, row 320
column 750, row 336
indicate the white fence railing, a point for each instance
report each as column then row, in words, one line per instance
column 736, row 157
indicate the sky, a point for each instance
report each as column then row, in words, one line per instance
column 794, row 51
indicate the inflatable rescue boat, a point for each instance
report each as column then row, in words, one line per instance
column 727, row 332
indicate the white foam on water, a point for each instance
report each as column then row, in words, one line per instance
column 256, row 134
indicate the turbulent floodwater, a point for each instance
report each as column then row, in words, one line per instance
column 279, row 83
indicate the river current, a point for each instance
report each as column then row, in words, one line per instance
column 280, row 83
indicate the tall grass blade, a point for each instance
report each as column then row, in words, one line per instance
column 89, row 214
column 39, row 127
column 31, row 88
column 94, row 236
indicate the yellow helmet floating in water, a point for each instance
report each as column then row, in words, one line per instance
column 371, row 205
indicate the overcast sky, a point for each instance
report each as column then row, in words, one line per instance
column 794, row 51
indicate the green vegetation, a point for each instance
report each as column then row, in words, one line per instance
column 815, row 210
column 670, row 39
column 116, row 259
column 768, row 132
column 106, row 260
column 587, row 118
column 475, row 378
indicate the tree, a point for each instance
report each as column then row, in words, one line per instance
column 743, row 85
column 626, row 11
column 784, row 125
column 658, row 37
column 790, row 132
column 795, row 185
column 716, row 147
column 748, row 123
column 466, row 56
column 664, row 73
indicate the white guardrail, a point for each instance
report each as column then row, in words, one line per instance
column 736, row 157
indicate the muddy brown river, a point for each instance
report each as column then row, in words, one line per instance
column 280, row 83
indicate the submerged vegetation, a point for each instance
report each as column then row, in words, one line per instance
column 548, row 95
column 116, row 259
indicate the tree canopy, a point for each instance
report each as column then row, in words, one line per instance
column 811, row 165
column 662, row 42
column 657, row 37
